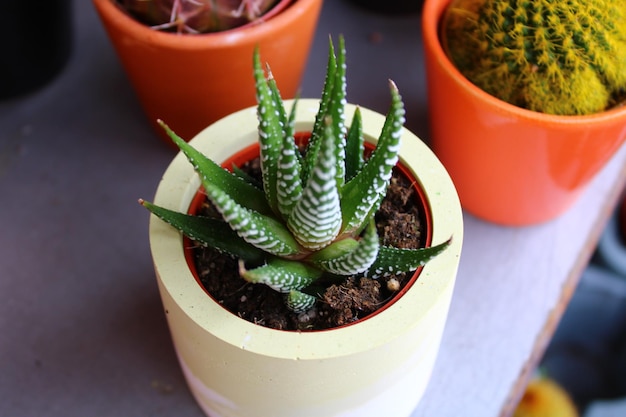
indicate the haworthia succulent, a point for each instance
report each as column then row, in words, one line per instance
column 313, row 215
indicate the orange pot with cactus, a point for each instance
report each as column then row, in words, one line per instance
column 511, row 164
column 191, row 80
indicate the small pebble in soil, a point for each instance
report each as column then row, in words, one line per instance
column 393, row 285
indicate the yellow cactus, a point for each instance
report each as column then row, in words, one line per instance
column 557, row 57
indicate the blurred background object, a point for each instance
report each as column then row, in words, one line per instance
column 36, row 43
column 391, row 6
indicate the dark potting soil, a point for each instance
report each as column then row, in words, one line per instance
column 399, row 223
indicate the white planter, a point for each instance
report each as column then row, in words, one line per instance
column 377, row 367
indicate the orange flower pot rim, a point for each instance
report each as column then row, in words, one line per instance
column 280, row 15
column 432, row 36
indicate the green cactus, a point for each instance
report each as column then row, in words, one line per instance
column 565, row 57
column 314, row 215
column 196, row 16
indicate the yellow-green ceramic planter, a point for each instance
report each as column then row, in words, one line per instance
column 379, row 366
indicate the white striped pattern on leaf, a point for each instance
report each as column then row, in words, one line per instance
column 315, row 220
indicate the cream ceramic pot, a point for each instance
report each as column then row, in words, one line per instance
column 234, row 368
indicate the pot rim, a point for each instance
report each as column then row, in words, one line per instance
column 280, row 15
column 180, row 183
column 431, row 21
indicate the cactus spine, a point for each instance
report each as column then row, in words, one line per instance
column 565, row 57
column 196, row 16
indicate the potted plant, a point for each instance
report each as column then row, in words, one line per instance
column 514, row 161
column 374, row 365
column 188, row 78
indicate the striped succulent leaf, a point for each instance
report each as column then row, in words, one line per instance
column 354, row 146
column 361, row 196
column 299, row 301
column 281, row 275
column 289, row 181
column 286, row 120
column 271, row 123
column 392, row 260
column 208, row 231
column 242, row 191
column 332, row 104
column 349, row 256
column 316, row 218
column 336, row 113
column 264, row 232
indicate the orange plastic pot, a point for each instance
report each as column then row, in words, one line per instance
column 191, row 81
column 510, row 165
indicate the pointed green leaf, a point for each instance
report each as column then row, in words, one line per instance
column 353, row 261
column 290, row 125
column 361, row 197
column 392, row 260
column 246, row 177
column 332, row 105
column 289, row 186
column 319, row 124
column 336, row 112
column 277, row 98
column 281, row 275
column 290, row 132
column 335, row 250
column 287, row 121
column 270, row 131
column 315, row 220
column 299, row 302
column 241, row 191
column 354, row 146
column 210, row 232
column 264, row 232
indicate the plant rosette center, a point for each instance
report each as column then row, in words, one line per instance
column 404, row 220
